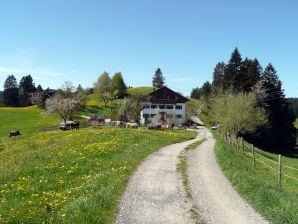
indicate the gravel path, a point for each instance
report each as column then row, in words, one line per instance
column 212, row 193
column 155, row 193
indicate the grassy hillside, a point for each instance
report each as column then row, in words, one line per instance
column 26, row 120
column 68, row 176
column 140, row 90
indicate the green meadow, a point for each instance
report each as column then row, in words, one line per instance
column 68, row 176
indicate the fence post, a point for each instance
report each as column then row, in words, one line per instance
column 237, row 143
column 242, row 146
column 279, row 170
column 253, row 155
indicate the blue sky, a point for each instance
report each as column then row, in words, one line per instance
column 77, row 40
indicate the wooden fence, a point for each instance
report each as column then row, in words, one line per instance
column 277, row 166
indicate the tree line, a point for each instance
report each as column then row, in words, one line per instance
column 68, row 100
column 249, row 101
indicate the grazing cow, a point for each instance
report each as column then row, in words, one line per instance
column 153, row 126
column 75, row 125
column 132, row 125
column 14, row 133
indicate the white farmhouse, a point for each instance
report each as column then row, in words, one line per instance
column 165, row 105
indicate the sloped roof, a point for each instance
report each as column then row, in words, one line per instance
column 166, row 95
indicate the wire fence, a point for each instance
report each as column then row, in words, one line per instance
column 276, row 165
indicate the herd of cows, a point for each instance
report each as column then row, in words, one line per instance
column 70, row 125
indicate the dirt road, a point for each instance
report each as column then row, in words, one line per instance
column 155, row 193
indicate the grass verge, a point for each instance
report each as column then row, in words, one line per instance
column 72, row 176
column 182, row 168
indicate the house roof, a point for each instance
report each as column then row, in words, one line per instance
column 165, row 95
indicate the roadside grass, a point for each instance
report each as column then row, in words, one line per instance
column 72, row 176
column 182, row 168
column 296, row 123
column 25, row 119
column 259, row 185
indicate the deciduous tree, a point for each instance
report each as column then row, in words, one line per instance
column 103, row 88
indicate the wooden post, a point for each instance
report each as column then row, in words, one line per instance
column 242, row 143
column 237, row 143
column 279, row 170
column 253, row 155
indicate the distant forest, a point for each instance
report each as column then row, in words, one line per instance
column 294, row 105
column 1, row 96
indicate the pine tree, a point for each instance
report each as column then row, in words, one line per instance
column 26, row 87
column 280, row 134
column 251, row 72
column 158, row 80
column 218, row 77
column 233, row 73
column 10, row 93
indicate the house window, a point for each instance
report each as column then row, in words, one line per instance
column 161, row 106
column 179, row 116
column 178, row 107
column 146, row 106
column 153, row 106
column 146, row 116
column 169, row 107
column 152, row 115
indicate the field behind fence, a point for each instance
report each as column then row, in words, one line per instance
column 285, row 168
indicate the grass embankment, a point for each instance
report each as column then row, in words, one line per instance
column 259, row 186
column 72, row 176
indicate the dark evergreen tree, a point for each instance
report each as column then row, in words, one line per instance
column 195, row 93
column 280, row 134
column 294, row 105
column 206, row 90
column 218, row 77
column 10, row 93
column 251, row 72
column 158, row 80
column 233, row 74
column 26, row 87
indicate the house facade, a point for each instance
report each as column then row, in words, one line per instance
column 164, row 105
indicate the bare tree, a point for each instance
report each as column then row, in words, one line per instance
column 64, row 108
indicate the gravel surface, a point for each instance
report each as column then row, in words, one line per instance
column 155, row 193
column 212, row 193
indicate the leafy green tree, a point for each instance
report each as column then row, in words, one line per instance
column 10, row 92
column 280, row 134
column 237, row 112
column 131, row 107
column 118, row 87
column 103, row 88
column 158, row 80
column 26, row 87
